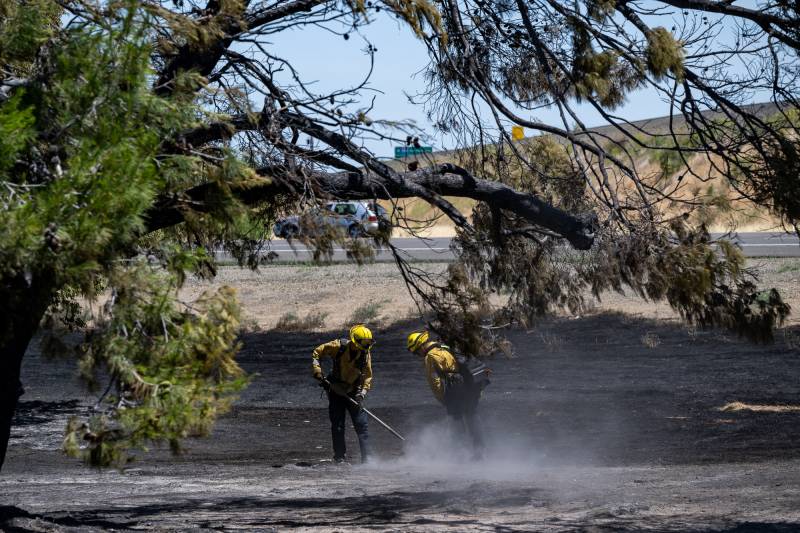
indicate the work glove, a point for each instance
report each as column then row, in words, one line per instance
column 317, row 373
column 359, row 397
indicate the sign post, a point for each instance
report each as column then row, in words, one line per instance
column 408, row 151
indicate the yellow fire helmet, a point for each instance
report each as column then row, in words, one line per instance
column 416, row 340
column 361, row 336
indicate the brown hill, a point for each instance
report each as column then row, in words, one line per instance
column 656, row 166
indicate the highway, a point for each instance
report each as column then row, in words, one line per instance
column 438, row 249
column 769, row 244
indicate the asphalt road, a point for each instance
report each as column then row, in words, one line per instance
column 438, row 249
column 769, row 244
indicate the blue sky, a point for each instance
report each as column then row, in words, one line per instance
column 330, row 60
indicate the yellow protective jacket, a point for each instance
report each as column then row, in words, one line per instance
column 438, row 363
column 351, row 367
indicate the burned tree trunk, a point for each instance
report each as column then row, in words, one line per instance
column 23, row 302
column 439, row 180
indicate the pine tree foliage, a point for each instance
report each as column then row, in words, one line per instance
column 664, row 54
column 715, row 154
column 26, row 26
column 81, row 164
column 173, row 366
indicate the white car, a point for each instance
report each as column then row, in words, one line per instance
column 354, row 217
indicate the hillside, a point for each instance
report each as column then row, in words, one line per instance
column 650, row 164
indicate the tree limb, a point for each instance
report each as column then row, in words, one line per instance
column 190, row 58
column 767, row 21
column 445, row 179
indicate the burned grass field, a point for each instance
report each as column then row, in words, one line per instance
column 607, row 422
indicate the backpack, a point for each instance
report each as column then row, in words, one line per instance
column 474, row 371
column 336, row 373
column 471, row 372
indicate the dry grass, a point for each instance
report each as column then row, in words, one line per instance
column 651, row 340
column 791, row 339
column 367, row 313
column 552, row 341
column 760, row 408
column 250, row 325
column 789, row 266
column 291, row 322
column 272, row 291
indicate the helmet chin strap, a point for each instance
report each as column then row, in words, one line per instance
column 368, row 349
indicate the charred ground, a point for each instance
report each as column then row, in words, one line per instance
column 603, row 423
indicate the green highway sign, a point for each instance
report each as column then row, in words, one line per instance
column 406, row 151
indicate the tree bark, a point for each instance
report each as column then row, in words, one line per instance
column 445, row 179
column 23, row 303
column 379, row 180
column 190, row 57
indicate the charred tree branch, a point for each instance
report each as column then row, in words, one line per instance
column 445, row 179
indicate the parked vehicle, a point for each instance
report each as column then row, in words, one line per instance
column 384, row 222
column 356, row 218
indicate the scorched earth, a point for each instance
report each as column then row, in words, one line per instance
column 612, row 421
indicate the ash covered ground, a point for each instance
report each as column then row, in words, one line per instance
column 609, row 422
column 589, row 428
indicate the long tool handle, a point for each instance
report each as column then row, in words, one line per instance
column 370, row 413
column 381, row 422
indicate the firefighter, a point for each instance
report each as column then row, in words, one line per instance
column 456, row 382
column 351, row 375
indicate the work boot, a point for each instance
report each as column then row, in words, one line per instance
column 339, row 460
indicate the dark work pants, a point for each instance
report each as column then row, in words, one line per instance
column 461, row 402
column 338, row 406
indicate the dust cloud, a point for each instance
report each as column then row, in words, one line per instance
column 445, row 451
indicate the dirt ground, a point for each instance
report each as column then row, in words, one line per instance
column 619, row 420
column 338, row 290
